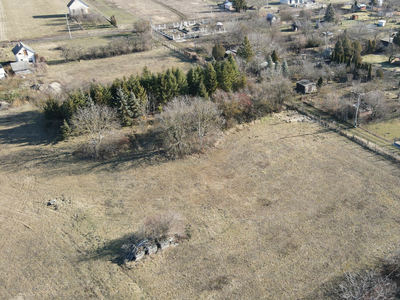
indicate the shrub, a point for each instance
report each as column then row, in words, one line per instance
column 189, row 125
column 163, row 225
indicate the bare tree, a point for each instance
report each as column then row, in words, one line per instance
column 188, row 126
column 375, row 99
column 97, row 122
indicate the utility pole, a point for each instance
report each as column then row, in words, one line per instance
column 151, row 27
column 66, row 18
column 358, row 107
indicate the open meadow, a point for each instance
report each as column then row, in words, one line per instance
column 273, row 212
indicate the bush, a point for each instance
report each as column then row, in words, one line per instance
column 189, row 125
column 169, row 224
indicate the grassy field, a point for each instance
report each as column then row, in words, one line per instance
column 276, row 210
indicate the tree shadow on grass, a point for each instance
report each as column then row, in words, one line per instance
column 114, row 250
column 49, row 16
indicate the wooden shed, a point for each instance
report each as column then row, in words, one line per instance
column 305, row 86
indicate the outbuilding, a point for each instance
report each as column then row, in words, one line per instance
column 77, row 7
column 23, row 52
column 21, row 68
column 381, row 23
column 305, row 86
column 2, row 72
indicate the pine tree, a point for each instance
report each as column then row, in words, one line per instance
column 320, row 82
column 396, row 39
column 181, row 81
column 370, row 72
column 347, row 46
column 330, row 14
column 239, row 83
column 275, row 57
column 227, row 77
column 172, row 83
column 218, row 51
column 202, row 90
column 278, row 68
column 373, row 46
column 379, row 73
column 124, row 107
column 136, row 105
column 134, row 86
column 339, row 47
column 193, row 80
column 239, row 4
column 285, row 68
column 210, row 79
column 232, row 61
column 245, row 51
column 369, row 47
column 270, row 61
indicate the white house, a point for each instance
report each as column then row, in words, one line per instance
column 77, row 7
column 2, row 72
column 228, row 5
column 23, row 52
column 289, row 2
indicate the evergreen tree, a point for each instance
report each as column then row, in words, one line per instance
column 278, row 67
column 239, row 83
column 218, row 51
column 124, row 107
column 396, row 39
column 227, row 77
column 136, row 105
column 379, row 73
column 339, row 47
column 370, row 72
column 330, row 14
column 245, row 51
column 210, row 79
column 239, row 5
column 193, row 81
column 373, row 3
column 369, row 47
column 320, row 82
column 270, row 61
column 232, row 61
column 181, row 81
column 285, row 68
column 347, row 46
column 202, row 90
column 275, row 57
column 373, row 46
column 134, row 86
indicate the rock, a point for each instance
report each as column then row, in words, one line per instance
column 139, row 255
column 151, row 248
column 52, row 202
column 162, row 244
column 4, row 105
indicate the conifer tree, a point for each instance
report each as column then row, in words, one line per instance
column 137, row 106
column 339, row 47
column 134, row 86
column 232, row 61
column 396, row 39
column 210, row 79
column 270, row 61
column 275, row 57
column 320, row 82
column 347, row 46
column 202, row 90
column 239, row 83
column 379, row 73
column 330, row 14
column 285, row 68
column 193, row 80
column 370, row 72
column 181, row 81
column 218, row 51
column 245, row 51
column 227, row 77
column 124, row 107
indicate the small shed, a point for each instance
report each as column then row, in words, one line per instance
column 228, row 5
column 361, row 7
column 21, row 68
column 381, row 23
column 272, row 18
column 354, row 17
column 77, row 7
column 2, row 72
column 305, row 86
column 23, row 52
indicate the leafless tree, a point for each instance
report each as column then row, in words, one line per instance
column 188, row 126
column 376, row 100
column 97, row 122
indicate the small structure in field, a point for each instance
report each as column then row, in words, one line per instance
column 361, row 7
column 381, row 23
column 289, row 2
column 272, row 18
column 21, row 68
column 305, row 86
column 397, row 144
column 354, row 17
column 2, row 72
column 23, row 52
column 77, row 7
column 328, row 52
column 296, row 26
column 228, row 5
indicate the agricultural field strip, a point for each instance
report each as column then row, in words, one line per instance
column 3, row 36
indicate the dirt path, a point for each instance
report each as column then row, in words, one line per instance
column 181, row 15
column 3, row 36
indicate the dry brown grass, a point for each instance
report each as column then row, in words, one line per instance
column 275, row 211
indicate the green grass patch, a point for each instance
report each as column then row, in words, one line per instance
column 389, row 129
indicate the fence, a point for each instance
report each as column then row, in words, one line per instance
column 343, row 130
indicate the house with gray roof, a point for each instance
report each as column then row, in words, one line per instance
column 21, row 68
column 23, row 52
column 77, row 7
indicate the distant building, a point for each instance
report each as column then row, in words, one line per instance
column 361, row 7
column 328, row 52
column 2, row 72
column 289, row 2
column 305, row 86
column 23, row 52
column 381, row 23
column 77, row 7
column 21, row 68
column 228, row 5
column 296, row 26
column 272, row 18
